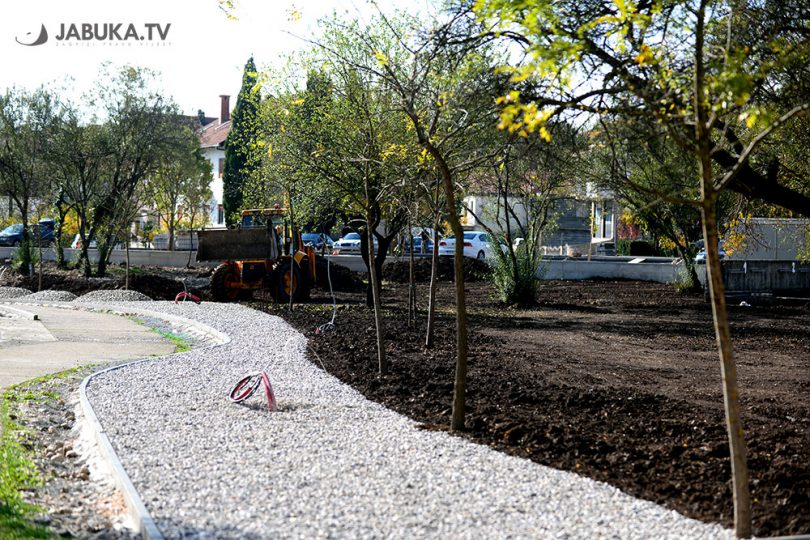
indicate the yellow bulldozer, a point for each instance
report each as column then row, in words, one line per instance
column 264, row 253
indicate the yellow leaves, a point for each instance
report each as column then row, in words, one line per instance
column 645, row 56
column 394, row 151
column 294, row 14
column 522, row 119
column 270, row 151
column 511, row 97
column 298, row 101
column 381, row 58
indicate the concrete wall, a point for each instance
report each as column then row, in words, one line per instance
column 645, row 269
column 652, row 269
column 137, row 257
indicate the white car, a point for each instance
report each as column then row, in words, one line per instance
column 477, row 245
column 349, row 245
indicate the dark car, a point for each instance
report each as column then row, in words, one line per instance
column 317, row 240
column 13, row 234
column 417, row 246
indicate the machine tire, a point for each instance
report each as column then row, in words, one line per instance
column 219, row 291
column 481, row 256
column 283, row 283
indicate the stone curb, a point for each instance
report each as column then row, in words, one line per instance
column 143, row 520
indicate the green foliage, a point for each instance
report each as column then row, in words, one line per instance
column 515, row 279
column 17, row 473
column 25, row 255
column 241, row 143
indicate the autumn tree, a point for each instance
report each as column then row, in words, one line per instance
column 181, row 174
column 702, row 72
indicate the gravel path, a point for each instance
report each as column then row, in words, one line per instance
column 330, row 464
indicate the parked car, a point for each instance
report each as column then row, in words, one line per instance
column 417, row 246
column 477, row 245
column 700, row 258
column 13, row 234
column 317, row 240
column 349, row 244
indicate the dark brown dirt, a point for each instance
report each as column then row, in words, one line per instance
column 618, row 381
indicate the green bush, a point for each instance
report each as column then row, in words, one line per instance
column 25, row 255
column 515, row 281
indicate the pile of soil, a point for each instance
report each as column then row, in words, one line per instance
column 154, row 282
column 617, row 381
column 343, row 279
column 399, row 271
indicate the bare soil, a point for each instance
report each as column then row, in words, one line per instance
column 617, row 381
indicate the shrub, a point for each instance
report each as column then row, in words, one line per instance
column 515, row 281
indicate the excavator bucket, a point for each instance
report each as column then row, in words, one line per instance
column 237, row 244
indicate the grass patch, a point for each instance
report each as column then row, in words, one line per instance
column 181, row 343
column 17, row 473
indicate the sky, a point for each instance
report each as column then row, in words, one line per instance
column 202, row 56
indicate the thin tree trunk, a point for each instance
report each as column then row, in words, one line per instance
column 434, row 267
column 728, row 369
column 373, row 278
column 460, row 384
column 411, row 282
column 126, row 269
column 39, row 244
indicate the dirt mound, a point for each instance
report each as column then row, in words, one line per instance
column 398, row 271
column 343, row 279
column 157, row 283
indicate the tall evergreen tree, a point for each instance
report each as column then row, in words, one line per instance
column 240, row 143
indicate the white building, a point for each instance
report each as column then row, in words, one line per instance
column 212, row 141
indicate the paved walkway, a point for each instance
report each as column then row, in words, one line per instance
column 65, row 338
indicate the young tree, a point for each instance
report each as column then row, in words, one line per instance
column 182, row 172
column 443, row 81
column 704, row 71
column 28, row 122
column 241, row 143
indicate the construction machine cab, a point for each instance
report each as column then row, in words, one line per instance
column 265, row 252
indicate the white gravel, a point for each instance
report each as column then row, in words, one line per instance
column 114, row 295
column 331, row 464
column 48, row 296
column 13, row 292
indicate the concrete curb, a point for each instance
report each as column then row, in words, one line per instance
column 144, row 523
column 143, row 520
column 19, row 312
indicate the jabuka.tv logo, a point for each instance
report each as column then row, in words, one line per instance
column 100, row 34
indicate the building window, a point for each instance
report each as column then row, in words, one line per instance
column 220, row 213
column 221, row 167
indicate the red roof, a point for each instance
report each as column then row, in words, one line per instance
column 214, row 134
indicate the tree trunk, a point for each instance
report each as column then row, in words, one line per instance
column 373, row 278
column 434, row 270
column 434, row 267
column 126, row 269
column 460, row 384
column 728, row 369
column 171, row 234
column 101, row 266
column 411, row 282
column 39, row 246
